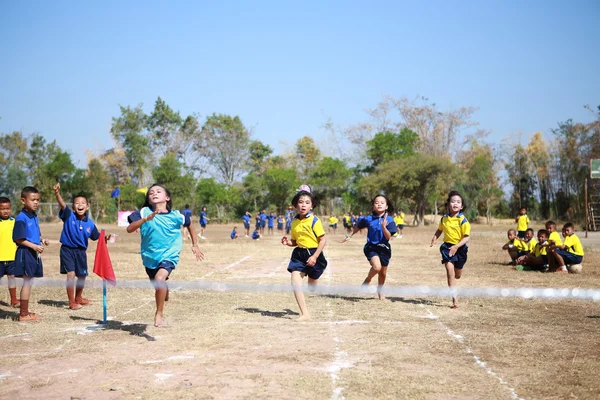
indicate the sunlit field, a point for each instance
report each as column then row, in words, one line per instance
column 231, row 343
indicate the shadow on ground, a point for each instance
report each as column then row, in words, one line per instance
column 6, row 314
column 132, row 329
column 266, row 313
column 54, row 303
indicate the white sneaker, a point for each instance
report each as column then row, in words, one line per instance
column 400, row 236
column 202, row 237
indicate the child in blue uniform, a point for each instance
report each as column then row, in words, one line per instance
column 380, row 228
column 308, row 238
column 77, row 230
column 234, row 234
column 203, row 221
column 28, row 260
column 161, row 241
column 457, row 232
column 246, row 218
column 271, row 222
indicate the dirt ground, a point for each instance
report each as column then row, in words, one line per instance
column 236, row 344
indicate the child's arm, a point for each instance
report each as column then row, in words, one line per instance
column 312, row 260
column 386, row 233
column 195, row 249
column 38, row 248
column 59, row 198
column 288, row 242
column 435, row 237
column 355, row 229
column 135, row 225
column 454, row 248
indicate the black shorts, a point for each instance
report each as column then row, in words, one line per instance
column 458, row 259
column 7, row 268
column 73, row 260
column 521, row 234
column 166, row 265
column 298, row 262
column 28, row 263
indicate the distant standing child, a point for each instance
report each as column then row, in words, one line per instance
column 234, row 234
column 246, row 218
column 457, row 231
column 203, row 221
column 8, row 248
column 186, row 212
column 399, row 220
column 280, row 224
column 522, row 221
column 308, row 238
column 161, row 245
column 569, row 253
column 333, row 221
column 380, row 228
column 288, row 222
column 271, row 222
column 263, row 221
column 77, row 230
column 28, row 260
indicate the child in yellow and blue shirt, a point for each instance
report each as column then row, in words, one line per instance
column 522, row 221
column 8, row 248
column 568, row 253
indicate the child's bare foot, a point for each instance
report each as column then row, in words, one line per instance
column 381, row 296
column 160, row 321
column 30, row 317
column 83, row 301
column 75, row 306
column 304, row 317
column 454, row 305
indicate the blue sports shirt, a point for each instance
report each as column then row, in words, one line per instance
column 27, row 227
column 161, row 236
column 76, row 232
column 203, row 217
column 271, row 218
column 375, row 233
column 246, row 219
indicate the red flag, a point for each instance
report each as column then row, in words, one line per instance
column 102, row 264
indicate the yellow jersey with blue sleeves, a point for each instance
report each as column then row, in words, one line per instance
column 556, row 237
column 307, row 230
column 539, row 250
column 399, row 219
column 8, row 248
column 574, row 245
column 531, row 245
column 522, row 222
column 521, row 245
column 454, row 228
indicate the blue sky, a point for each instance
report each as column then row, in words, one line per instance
column 284, row 67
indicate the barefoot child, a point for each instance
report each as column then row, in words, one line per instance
column 161, row 241
column 568, row 253
column 30, row 246
column 77, row 230
column 380, row 228
column 8, row 248
column 457, row 231
column 308, row 238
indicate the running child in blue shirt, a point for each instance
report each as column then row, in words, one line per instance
column 308, row 238
column 457, row 232
column 77, row 230
column 203, row 221
column 28, row 237
column 186, row 212
column 380, row 229
column 161, row 241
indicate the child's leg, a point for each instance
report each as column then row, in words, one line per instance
column 79, row 292
column 71, row 291
column 25, row 315
column 12, row 289
column 160, row 286
column 381, row 281
column 451, row 275
column 299, row 294
column 375, row 268
column 312, row 284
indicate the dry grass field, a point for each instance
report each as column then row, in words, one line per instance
column 234, row 344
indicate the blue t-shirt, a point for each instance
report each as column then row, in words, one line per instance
column 246, row 219
column 203, row 218
column 27, row 227
column 186, row 212
column 263, row 217
column 233, row 233
column 255, row 235
column 271, row 219
column 76, row 232
column 375, row 233
column 161, row 236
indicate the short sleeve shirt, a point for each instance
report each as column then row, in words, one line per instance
column 454, row 228
column 305, row 233
column 8, row 248
column 27, row 227
column 556, row 237
column 574, row 245
column 76, row 232
column 375, row 231
column 522, row 222
column 399, row 219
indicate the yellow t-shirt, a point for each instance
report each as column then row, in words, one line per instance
column 399, row 219
column 556, row 237
column 522, row 222
column 305, row 233
column 574, row 245
column 521, row 245
column 531, row 245
column 538, row 250
column 333, row 220
column 8, row 248
column 454, row 228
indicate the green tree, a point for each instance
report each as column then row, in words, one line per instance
column 307, row 155
column 386, row 146
column 129, row 131
column 259, row 152
column 521, row 176
column 163, row 126
column 281, row 185
column 170, row 172
column 13, row 164
column 331, row 179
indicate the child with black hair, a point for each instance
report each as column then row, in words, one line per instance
column 308, row 238
column 161, row 241
column 457, row 232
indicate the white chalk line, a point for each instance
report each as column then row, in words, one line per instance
column 476, row 358
column 15, row 335
column 41, row 353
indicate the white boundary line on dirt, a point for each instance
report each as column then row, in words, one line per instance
column 476, row 358
column 16, row 335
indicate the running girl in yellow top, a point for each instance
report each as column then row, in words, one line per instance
column 457, row 231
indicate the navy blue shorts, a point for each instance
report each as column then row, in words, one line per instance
column 400, row 226
column 28, row 263
column 279, row 227
column 458, row 259
column 7, row 268
column 569, row 257
column 263, row 224
column 384, row 252
column 203, row 225
column 521, row 234
column 544, row 258
column 166, row 265
column 522, row 253
column 298, row 262
column 73, row 260
column 246, row 225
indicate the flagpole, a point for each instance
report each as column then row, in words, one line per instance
column 104, row 298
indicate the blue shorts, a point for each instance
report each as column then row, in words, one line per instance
column 73, row 260
column 203, row 225
column 400, row 226
column 7, row 268
column 384, row 252
column 28, row 263
column 298, row 262
column 246, row 225
column 521, row 234
column 263, row 224
column 334, row 226
column 166, row 265
column 279, row 227
column 522, row 253
column 458, row 259
column 569, row 257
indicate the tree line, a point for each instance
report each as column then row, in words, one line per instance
column 408, row 149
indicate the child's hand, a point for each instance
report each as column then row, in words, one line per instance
column 46, row 242
column 452, row 250
column 312, row 260
column 384, row 219
column 346, row 238
column 38, row 248
column 196, row 250
column 285, row 241
column 151, row 216
column 56, row 188
column 433, row 240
